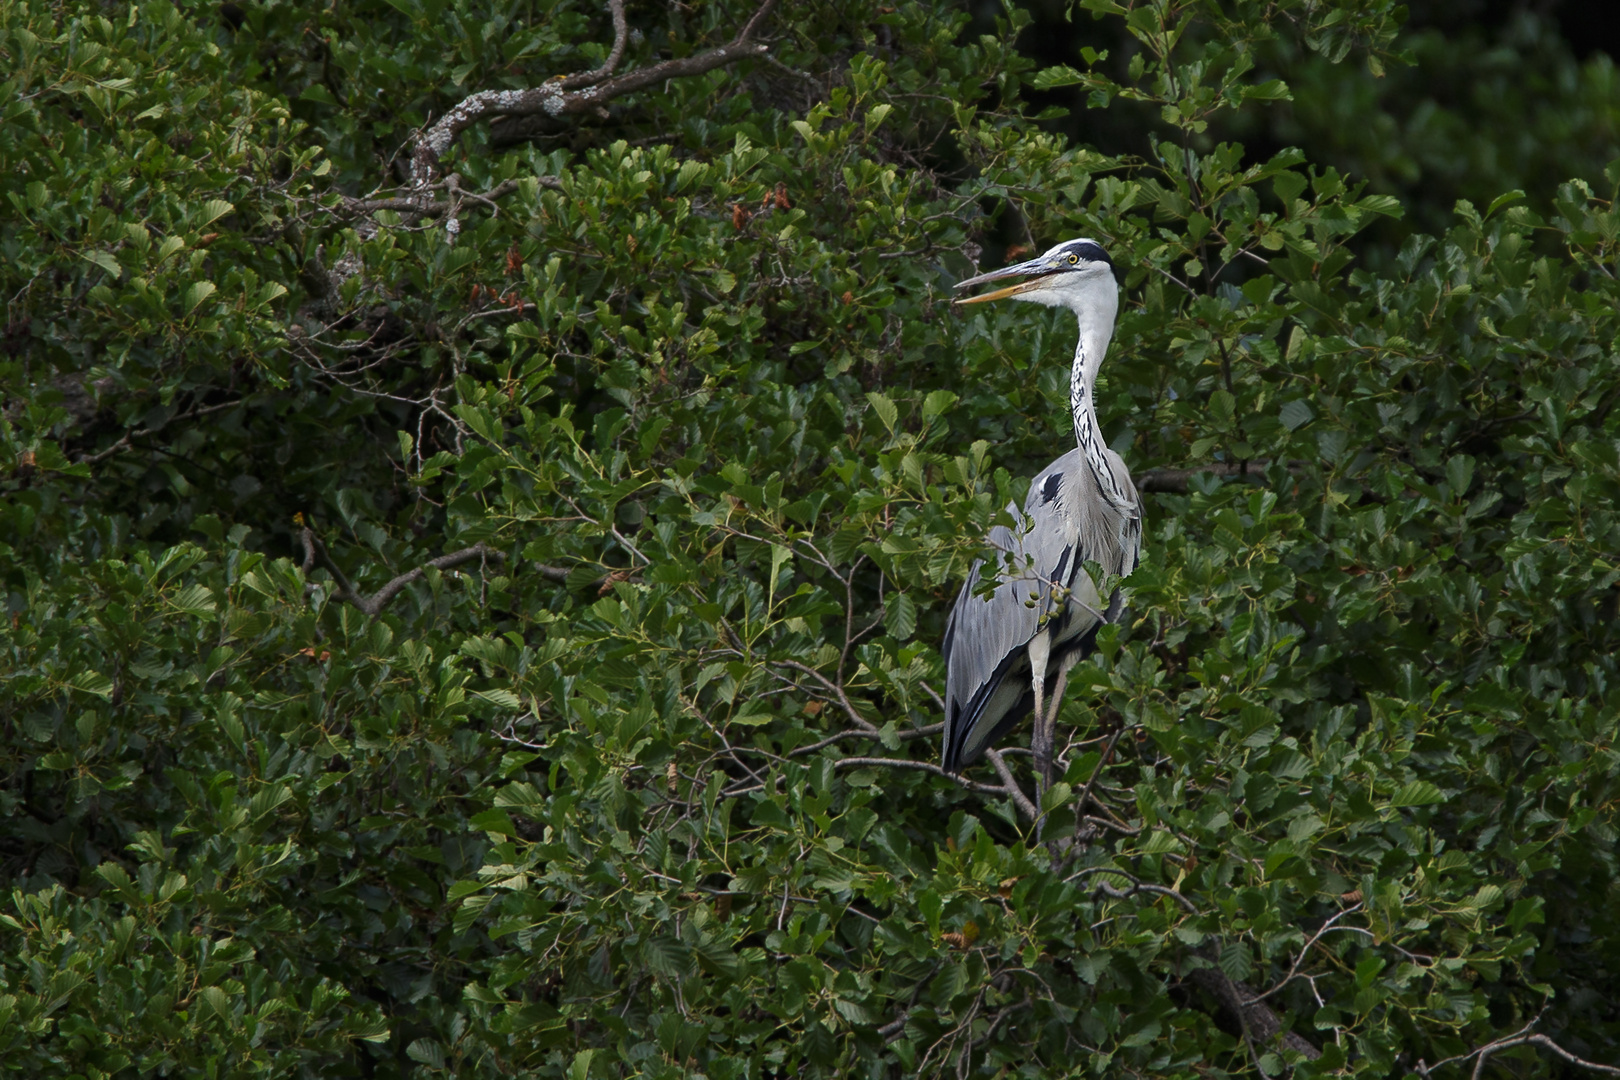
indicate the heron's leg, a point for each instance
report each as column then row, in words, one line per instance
column 1040, row 743
column 1068, row 661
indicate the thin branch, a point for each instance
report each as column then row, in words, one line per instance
column 843, row 699
column 558, row 98
column 927, row 767
column 1327, row 927
column 904, row 736
column 1142, row 886
column 129, row 436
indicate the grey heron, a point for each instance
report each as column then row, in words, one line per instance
column 1009, row 654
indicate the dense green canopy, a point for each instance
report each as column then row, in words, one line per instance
column 474, row 586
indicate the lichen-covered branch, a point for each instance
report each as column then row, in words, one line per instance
column 577, row 95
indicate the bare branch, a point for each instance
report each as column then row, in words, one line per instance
column 1085, row 794
column 373, row 604
column 1325, row 928
column 566, row 96
column 408, row 204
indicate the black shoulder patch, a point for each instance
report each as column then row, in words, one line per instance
column 1050, row 489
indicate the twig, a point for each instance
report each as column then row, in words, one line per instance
column 417, row 205
column 1258, row 1020
column 1325, row 928
column 1142, row 886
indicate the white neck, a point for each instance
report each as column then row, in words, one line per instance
column 1096, row 318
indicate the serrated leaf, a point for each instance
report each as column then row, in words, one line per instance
column 219, row 1002
column 1053, row 78
column 426, row 1051
column 520, row 796
column 1235, row 961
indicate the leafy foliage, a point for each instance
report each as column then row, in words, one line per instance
column 645, row 787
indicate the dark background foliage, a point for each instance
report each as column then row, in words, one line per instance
column 510, row 647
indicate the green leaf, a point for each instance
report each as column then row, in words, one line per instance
column 1417, row 793
column 900, row 616
column 885, row 409
column 197, row 293
column 106, row 262
column 91, row 682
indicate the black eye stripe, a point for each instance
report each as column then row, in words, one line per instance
column 1089, row 251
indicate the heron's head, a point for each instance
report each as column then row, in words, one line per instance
column 1072, row 275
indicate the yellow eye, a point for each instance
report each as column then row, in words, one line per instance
column 1073, row 259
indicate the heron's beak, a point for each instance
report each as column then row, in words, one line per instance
column 1034, row 271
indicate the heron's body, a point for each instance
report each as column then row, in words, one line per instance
column 1009, row 654
column 988, row 685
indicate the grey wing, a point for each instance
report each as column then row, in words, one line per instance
column 987, row 680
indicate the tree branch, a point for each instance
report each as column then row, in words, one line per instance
column 1522, row 1037
column 130, row 436
column 315, row 549
column 1259, row 1022
column 576, row 94
column 416, row 205
column 1011, row 783
column 1175, row 480
column 621, row 34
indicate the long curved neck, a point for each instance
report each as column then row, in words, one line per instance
column 1088, row 354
